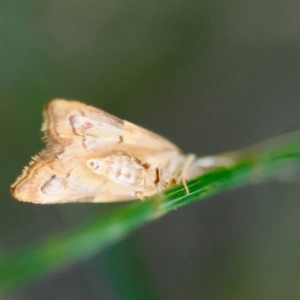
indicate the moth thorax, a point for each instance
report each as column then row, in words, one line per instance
column 122, row 168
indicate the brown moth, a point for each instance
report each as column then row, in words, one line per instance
column 92, row 156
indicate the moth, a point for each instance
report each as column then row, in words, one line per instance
column 93, row 156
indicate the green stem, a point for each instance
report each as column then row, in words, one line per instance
column 250, row 165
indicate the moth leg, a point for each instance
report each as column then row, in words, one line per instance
column 185, row 170
column 144, row 177
column 159, row 179
column 140, row 196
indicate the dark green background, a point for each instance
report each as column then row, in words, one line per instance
column 211, row 76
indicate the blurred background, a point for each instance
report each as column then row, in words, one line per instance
column 211, row 76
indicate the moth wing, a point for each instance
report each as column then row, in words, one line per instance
column 73, row 122
column 48, row 181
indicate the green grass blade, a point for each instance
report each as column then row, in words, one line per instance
column 250, row 165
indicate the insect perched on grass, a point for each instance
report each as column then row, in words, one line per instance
column 92, row 156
